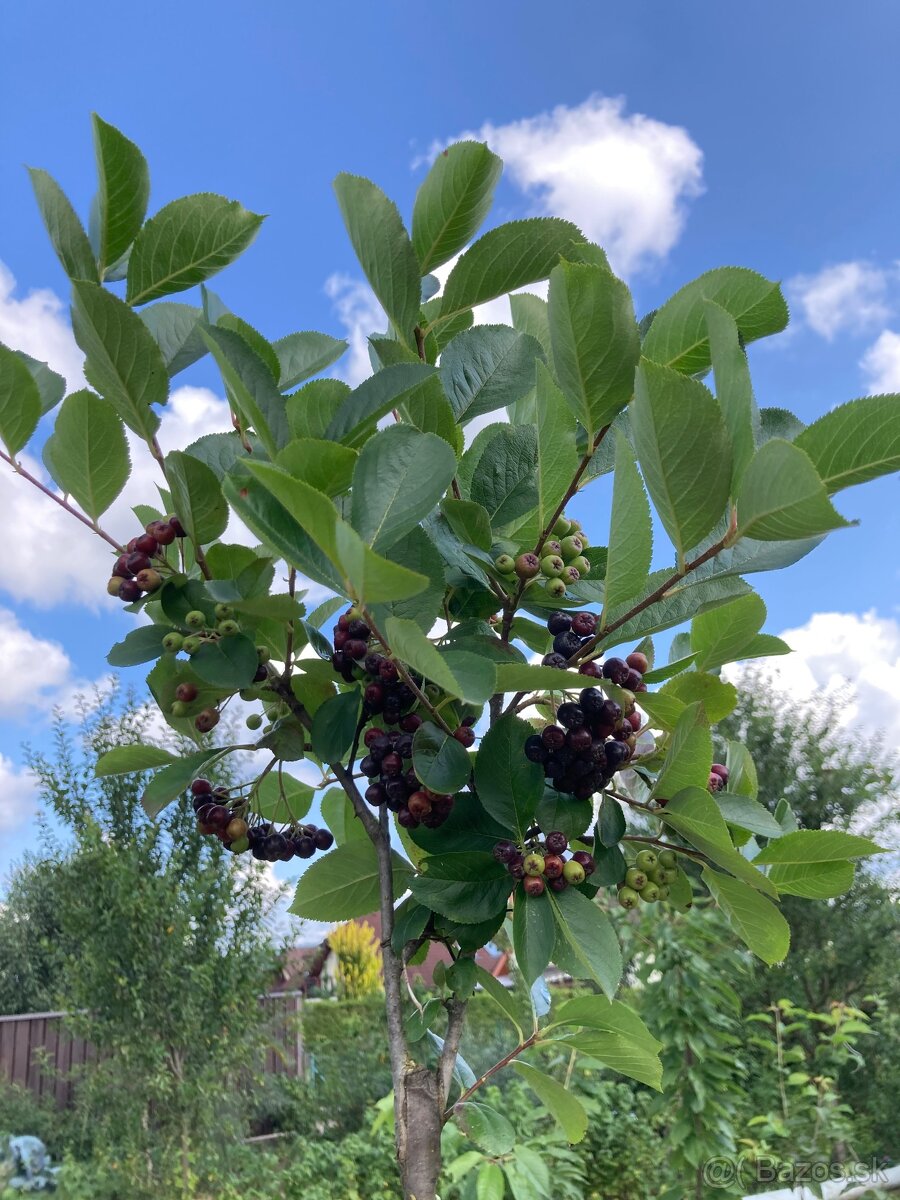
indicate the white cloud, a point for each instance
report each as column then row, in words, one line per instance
column 881, row 363
column 624, row 179
column 847, row 296
column 17, row 794
column 33, row 670
column 852, row 655
column 361, row 315
column 38, row 324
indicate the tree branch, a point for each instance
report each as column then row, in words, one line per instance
column 456, row 1017
column 491, row 1071
column 62, row 502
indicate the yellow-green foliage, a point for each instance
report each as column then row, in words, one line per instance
column 359, row 960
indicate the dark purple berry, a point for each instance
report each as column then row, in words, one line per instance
column 592, row 669
column 359, row 629
column 592, row 701
column 553, row 737
column 324, row 839
column 554, row 660
column 633, row 679
column 129, row 591
column 391, row 765
column 138, row 561
column 406, row 819
column 505, row 852
column 567, row 644
column 579, row 739
column 560, row 884
column 586, row 861
column 610, row 712
column 304, row 847
column 535, row 750
column 559, row 622
column 570, row 715
column 375, row 794
column 369, row 766
column 616, row 670
column 146, row 544
column 355, row 648
column 557, row 843
column 584, row 624
column 616, row 754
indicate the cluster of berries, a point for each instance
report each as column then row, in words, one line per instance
column 220, row 816
column 560, row 563
column 718, row 777
column 385, row 694
column 541, row 864
column 136, row 571
column 649, row 879
column 393, row 782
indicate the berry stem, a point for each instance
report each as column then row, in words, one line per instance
column 652, row 841
column 632, row 803
column 289, row 641
column 514, row 601
column 62, row 502
column 676, row 577
column 524, row 1045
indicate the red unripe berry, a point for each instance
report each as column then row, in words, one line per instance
column 186, row 692
column 121, row 567
column 201, row 787
column 131, row 545
column 410, row 723
column 464, row 735
column 146, row 543
column 592, row 669
column 355, row 647
column 634, row 720
column 206, row 720
column 715, row 783
column 391, row 765
column 138, row 561
column 585, row 860
column 533, row 885
column 638, row 661
column 553, row 866
column 388, row 671
column 177, row 527
column 419, row 805
column 374, row 695
column 129, row 591
column 527, row 566
column 584, row 624
column 372, row 735
column 162, row 531
column 217, row 815
column 720, row 770
column 341, row 638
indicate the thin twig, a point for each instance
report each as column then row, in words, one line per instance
column 491, row 1071
column 62, row 502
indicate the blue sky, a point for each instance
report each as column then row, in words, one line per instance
column 682, row 137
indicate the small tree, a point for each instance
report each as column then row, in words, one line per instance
column 159, row 953
column 449, row 566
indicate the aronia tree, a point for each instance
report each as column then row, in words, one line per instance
column 497, row 739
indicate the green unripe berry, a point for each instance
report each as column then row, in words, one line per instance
column 552, row 547
column 645, row 860
column 627, row 897
column 664, row 893
column 195, row 619
column 656, row 875
column 223, row 612
column 191, row 644
column 650, row 893
column 571, row 547
column 573, row 872
column 562, row 527
column 179, row 708
column 584, row 537
column 668, row 859
column 581, row 564
column 228, row 628
column 635, row 879
column 533, row 864
column 263, row 654
column 239, row 845
column 570, row 575
column 354, row 613
column 254, row 721
column 433, row 692
column 574, row 525
column 173, row 642
column 556, row 588
column 552, row 565
column 670, row 874
column 505, row 564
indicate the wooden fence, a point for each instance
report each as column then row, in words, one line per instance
column 38, row 1052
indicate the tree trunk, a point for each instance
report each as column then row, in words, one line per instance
column 419, row 1119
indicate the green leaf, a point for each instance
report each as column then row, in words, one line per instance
column 343, row 884
column 717, row 697
column 197, row 497
column 557, row 457
column 124, row 189
column 734, row 391
column 311, row 408
column 369, row 577
column 489, row 1183
column 505, row 259
column 694, row 814
column 817, row 846
column 124, row 760
column 326, row 466
column 523, row 677
column 782, row 497
column 141, row 645
column 356, row 417
column 678, row 336
column 530, row 315
column 566, row 1109
column 486, row 368
column 384, row 251
column 466, row 901
column 123, row 362
column 334, row 726
column 630, row 530
column 755, row 919
column 282, row 798
column 187, row 242
column 20, row 401
column 486, row 1127
column 534, row 934
column 453, row 201
column 176, row 329
column 688, row 756
column 778, row 423
column 504, row 482
column 230, row 662
column 586, row 945
column 416, row 552
column 67, row 236
column 469, row 521
column 501, row 997
column 52, row 387
column 169, row 783
column 614, row 1034
column 87, row 453
column 439, row 760
column 252, row 391
column 508, row 784
column 855, row 442
column 747, row 814
column 742, row 778
column 595, row 341
column 260, row 346
column 399, row 478
column 468, row 828
column 557, row 811
column 813, row 881
column 302, row 355
column 719, row 636
column 427, row 408
column 684, row 452
column 464, row 675
column 610, row 822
